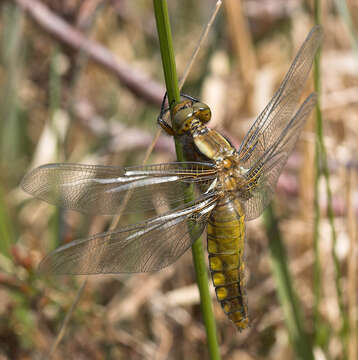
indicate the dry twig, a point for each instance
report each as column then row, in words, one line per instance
column 139, row 83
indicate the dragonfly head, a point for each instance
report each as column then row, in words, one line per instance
column 188, row 111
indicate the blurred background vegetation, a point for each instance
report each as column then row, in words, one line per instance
column 81, row 81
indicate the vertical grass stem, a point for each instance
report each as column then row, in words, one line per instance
column 321, row 166
column 287, row 296
column 171, row 81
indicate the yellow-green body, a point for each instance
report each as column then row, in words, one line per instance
column 226, row 225
column 226, row 241
column 226, row 230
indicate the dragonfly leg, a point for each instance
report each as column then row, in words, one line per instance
column 189, row 97
column 160, row 120
column 165, row 126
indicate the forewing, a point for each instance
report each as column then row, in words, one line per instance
column 262, row 177
column 274, row 118
column 149, row 246
column 105, row 189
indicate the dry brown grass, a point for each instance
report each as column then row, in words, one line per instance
column 157, row 316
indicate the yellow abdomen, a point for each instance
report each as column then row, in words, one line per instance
column 226, row 238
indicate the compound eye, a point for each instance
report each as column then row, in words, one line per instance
column 181, row 120
column 202, row 112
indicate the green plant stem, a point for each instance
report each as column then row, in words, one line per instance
column 287, row 296
column 11, row 57
column 316, row 208
column 167, row 50
column 7, row 235
column 171, row 81
column 321, row 167
column 55, row 101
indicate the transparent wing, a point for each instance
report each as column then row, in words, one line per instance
column 274, row 118
column 149, row 246
column 262, row 177
column 104, row 189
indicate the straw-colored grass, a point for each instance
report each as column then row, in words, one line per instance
column 112, row 121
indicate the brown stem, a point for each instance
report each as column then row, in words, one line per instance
column 135, row 80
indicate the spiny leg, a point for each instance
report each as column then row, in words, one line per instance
column 160, row 120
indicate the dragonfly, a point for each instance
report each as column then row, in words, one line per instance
column 219, row 188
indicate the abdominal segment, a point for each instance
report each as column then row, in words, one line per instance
column 225, row 237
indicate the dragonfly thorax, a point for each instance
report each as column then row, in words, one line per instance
column 230, row 177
